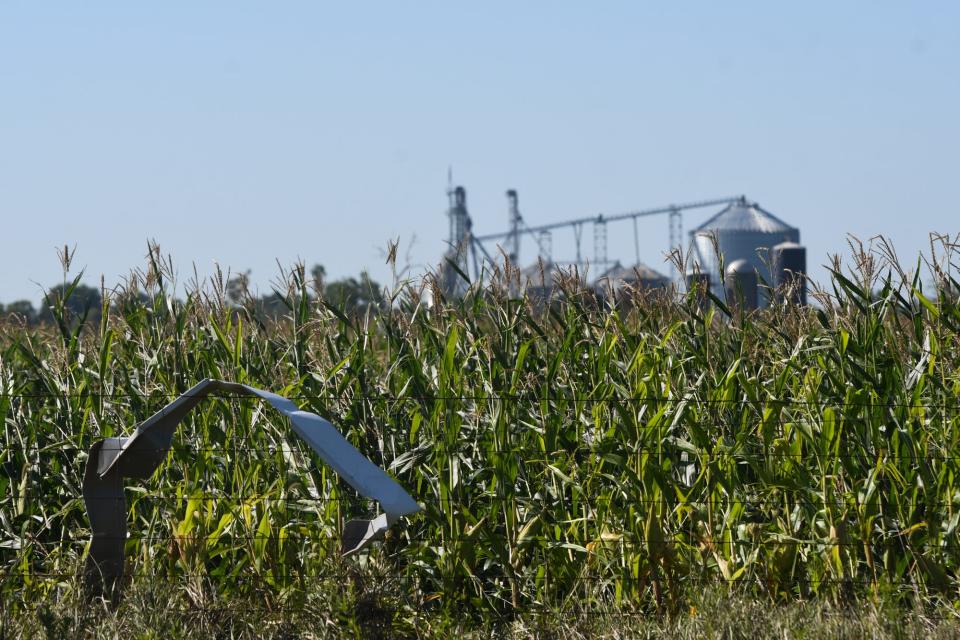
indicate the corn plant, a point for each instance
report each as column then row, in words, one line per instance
column 570, row 455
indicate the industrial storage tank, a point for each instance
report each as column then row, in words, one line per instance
column 741, row 283
column 743, row 231
column 618, row 278
column 789, row 263
column 452, row 283
column 540, row 279
column 698, row 283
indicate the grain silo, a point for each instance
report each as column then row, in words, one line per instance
column 619, row 278
column 789, row 263
column 538, row 279
column 698, row 284
column 542, row 279
column 742, row 231
column 741, row 285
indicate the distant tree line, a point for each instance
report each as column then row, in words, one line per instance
column 82, row 300
column 350, row 296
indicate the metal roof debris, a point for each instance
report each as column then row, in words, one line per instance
column 139, row 455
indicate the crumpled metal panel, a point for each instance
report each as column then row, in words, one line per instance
column 139, row 455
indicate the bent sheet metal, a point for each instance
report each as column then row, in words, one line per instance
column 139, row 455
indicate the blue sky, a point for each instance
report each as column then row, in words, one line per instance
column 250, row 132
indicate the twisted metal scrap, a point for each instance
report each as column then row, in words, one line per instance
column 138, row 456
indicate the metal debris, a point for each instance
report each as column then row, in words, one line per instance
column 139, row 455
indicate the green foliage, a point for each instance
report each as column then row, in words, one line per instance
column 75, row 299
column 571, row 458
column 337, row 611
column 354, row 296
column 351, row 297
column 22, row 309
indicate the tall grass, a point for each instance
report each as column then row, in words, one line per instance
column 570, row 456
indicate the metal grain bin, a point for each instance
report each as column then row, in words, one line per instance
column 541, row 279
column 743, row 231
column 740, row 282
column 618, row 278
column 789, row 263
column 699, row 283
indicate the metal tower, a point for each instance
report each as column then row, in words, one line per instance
column 541, row 233
column 676, row 236
column 513, row 240
column 599, row 243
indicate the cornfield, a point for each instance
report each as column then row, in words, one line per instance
column 570, row 456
